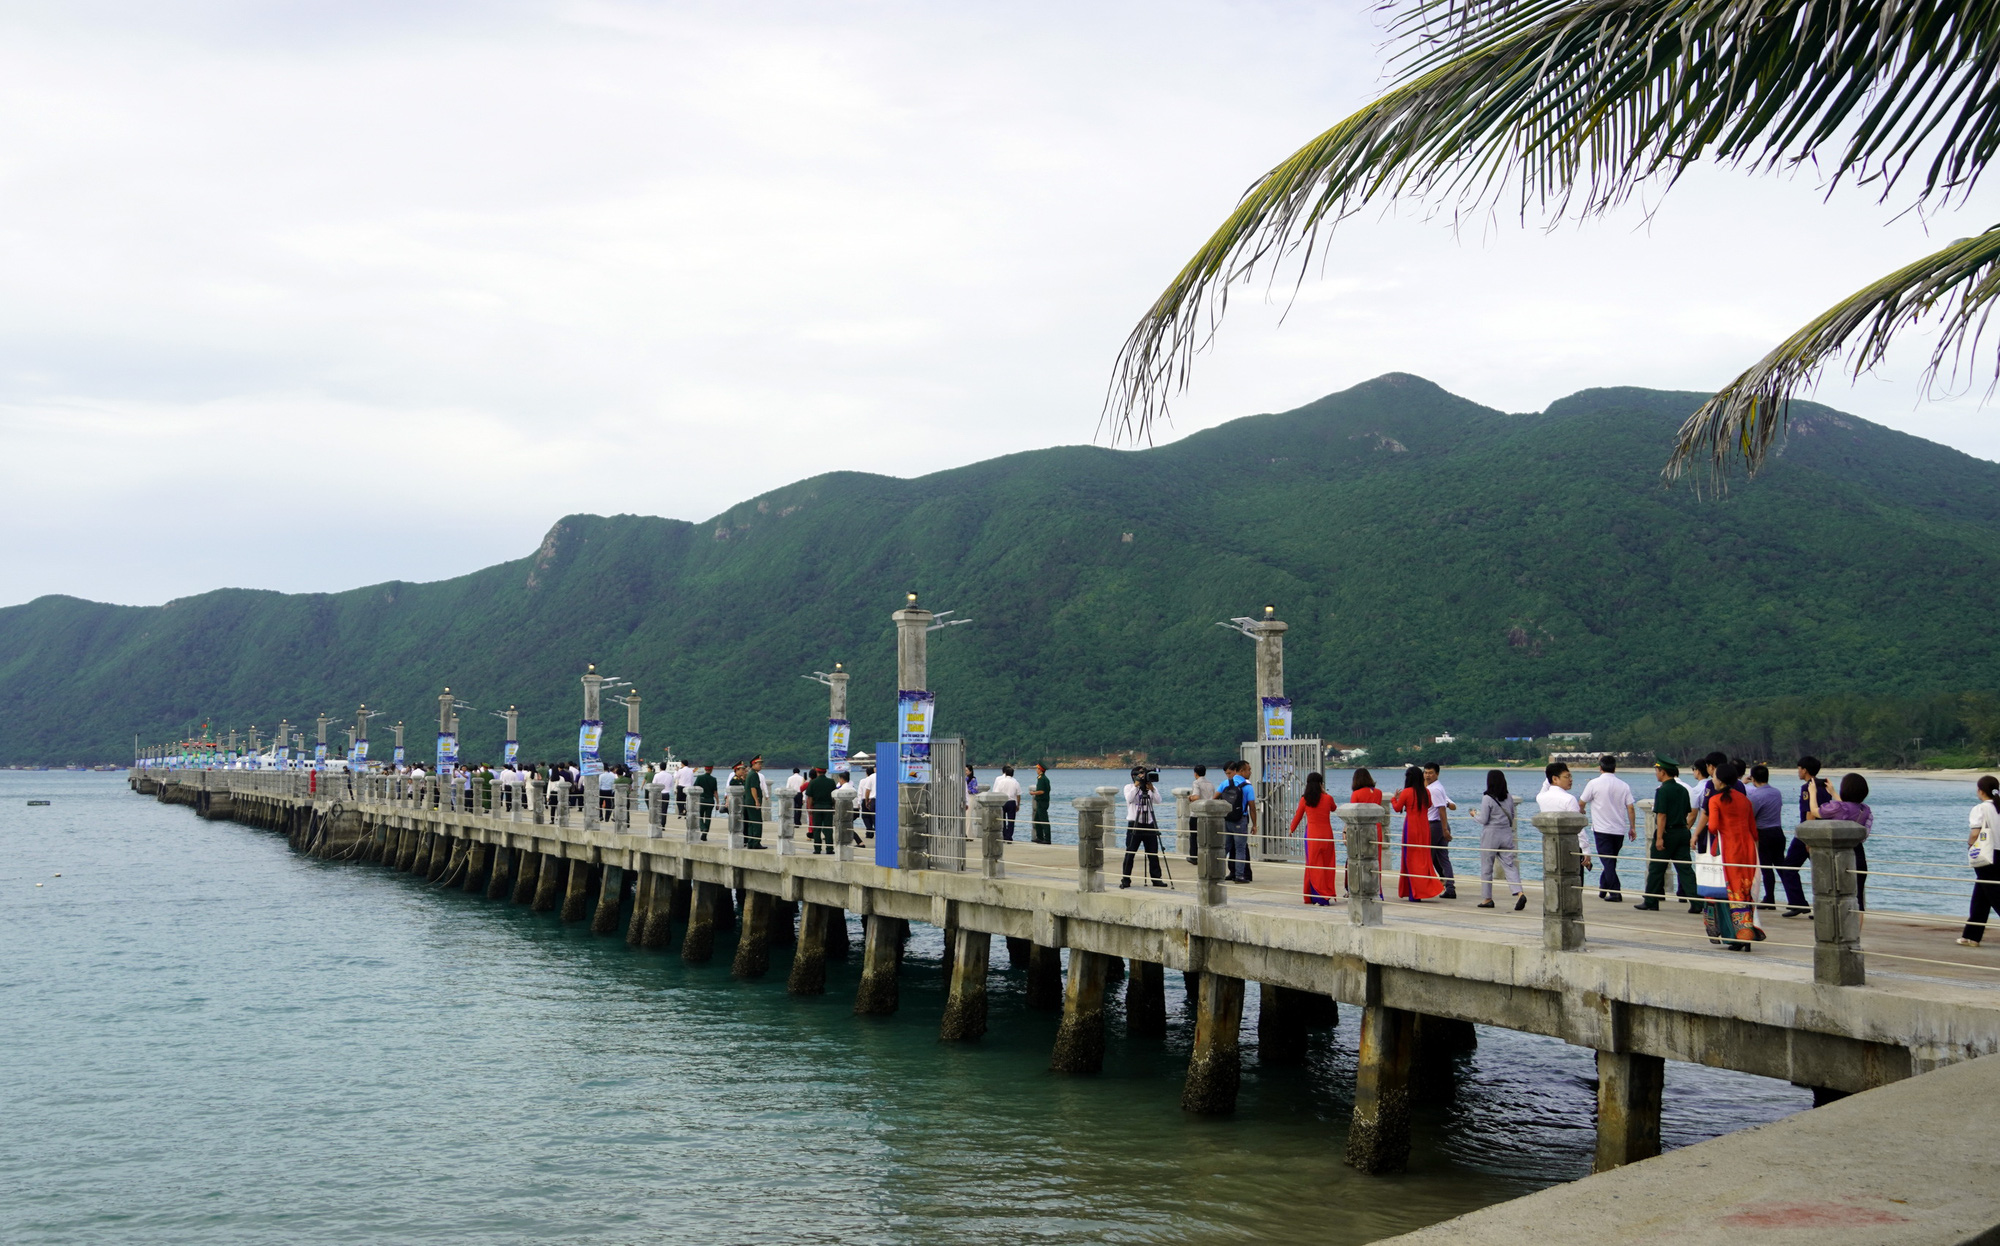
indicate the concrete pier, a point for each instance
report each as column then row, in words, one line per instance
column 1282, row 1023
column 610, row 899
column 1045, row 978
column 1215, row 1069
column 1146, row 1000
column 808, row 975
column 500, row 878
column 1628, row 1108
column 576, row 893
column 965, row 1005
column 548, row 883
column 1080, row 1040
column 753, row 945
column 881, row 965
column 698, row 944
column 1378, row 1139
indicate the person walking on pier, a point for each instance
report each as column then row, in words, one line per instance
column 683, row 787
column 1142, row 826
column 1980, row 843
column 754, row 800
column 704, row 795
column 796, row 785
column 1441, row 805
column 1498, row 850
column 1813, row 792
column 867, row 791
column 1038, row 813
column 1417, row 878
column 1242, row 798
column 1727, row 828
column 1556, row 797
column 1768, row 806
column 1853, row 807
column 1009, row 788
column 1613, row 820
column 1672, row 806
column 1322, row 878
column 817, row 796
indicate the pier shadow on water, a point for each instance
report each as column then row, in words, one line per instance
column 214, row 1040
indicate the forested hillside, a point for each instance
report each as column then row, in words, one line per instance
column 1443, row 566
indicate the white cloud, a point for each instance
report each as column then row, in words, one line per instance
column 302, row 263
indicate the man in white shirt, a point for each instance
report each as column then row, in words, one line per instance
column 1440, row 829
column 1555, row 797
column 867, row 790
column 1010, row 787
column 1613, row 820
column 683, row 787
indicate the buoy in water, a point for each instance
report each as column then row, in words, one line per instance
column 38, row 802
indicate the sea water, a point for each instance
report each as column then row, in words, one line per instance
column 207, row 1038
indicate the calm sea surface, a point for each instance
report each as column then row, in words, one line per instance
column 208, row 1038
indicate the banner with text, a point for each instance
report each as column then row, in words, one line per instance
column 836, row 745
column 1277, row 718
column 510, row 752
column 447, row 750
column 632, row 749
column 915, row 711
column 589, row 732
column 915, row 766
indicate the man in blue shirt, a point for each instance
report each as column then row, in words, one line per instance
column 1242, row 798
column 1813, row 792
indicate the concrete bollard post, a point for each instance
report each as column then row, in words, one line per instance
column 753, row 946
column 1628, row 1108
column 1091, row 812
column 559, row 803
column 808, row 976
column 537, row 801
column 610, row 895
column 1366, row 829
column 695, row 826
column 781, row 809
column 843, row 825
column 1837, row 959
column 1209, row 869
column 736, row 823
column 1080, row 1041
column 965, row 1005
column 1562, row 880
column 1215, row 1066
column 1183, row 822
column 881, row 961
column 986, row 809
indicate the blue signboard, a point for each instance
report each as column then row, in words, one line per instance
column 888, row 763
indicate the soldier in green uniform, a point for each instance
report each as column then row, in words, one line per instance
column 1040, row 812
column 705, row 784
column 819, row 809
column 1671, row 807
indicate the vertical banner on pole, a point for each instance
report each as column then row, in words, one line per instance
column 888, row 764
column 836, row 745
column 589, row 733
column 1277, row 718
column 447, row 751
column 360, row 761
column 510, row 752
column 319, row 757
column 399, row 757
column 632, row 749
column 915, row 712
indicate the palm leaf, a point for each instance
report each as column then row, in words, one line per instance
column 1569, row 105
column 1744, row 419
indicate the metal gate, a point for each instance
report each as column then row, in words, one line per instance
column 945, row 823
column 1279, row 768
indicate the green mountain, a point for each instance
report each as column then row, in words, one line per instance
column 1443, row 566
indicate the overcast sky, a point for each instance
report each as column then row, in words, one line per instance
column 419, row 278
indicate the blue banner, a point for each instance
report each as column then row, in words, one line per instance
column 510, row 752
column 915, row 711
column 887, row 834
column 399, row 755
column 588, row 734
column 1276, row 720
column 632, row 749
column 914, row 765
column 447, row 750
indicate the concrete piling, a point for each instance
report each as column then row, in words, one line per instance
column 500, row 875
column 784, row 923
column 610, row 896
column 1045, row 980
column 476, row 859
column 1215, row 1066
column 1281, row 1025
column 576, row 896
column 1017, row 952
column 548, row 883
column 643, row 892
column 837, row 940
column 881, row 962
column 527, row 875
column 1378, row 1140
column 808, row 976
column 698, row 945
column 965, row 1006
column 1080, row 1040
column 753, row 946
column 1146, row 1000
column 420, row 863
column 1628, row 1108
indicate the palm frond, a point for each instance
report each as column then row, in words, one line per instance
column 1743, row 420
column 1570, row 105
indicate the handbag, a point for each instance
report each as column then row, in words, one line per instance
column 1710, row 882
column 1981, row 851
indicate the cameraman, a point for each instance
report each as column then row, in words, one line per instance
column 1142, row 824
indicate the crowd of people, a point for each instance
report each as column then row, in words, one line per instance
column 1718, row 837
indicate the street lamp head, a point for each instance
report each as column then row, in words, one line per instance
column 591, row 669
column 1269, row 611
column 836, row 667
column 912, row 597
